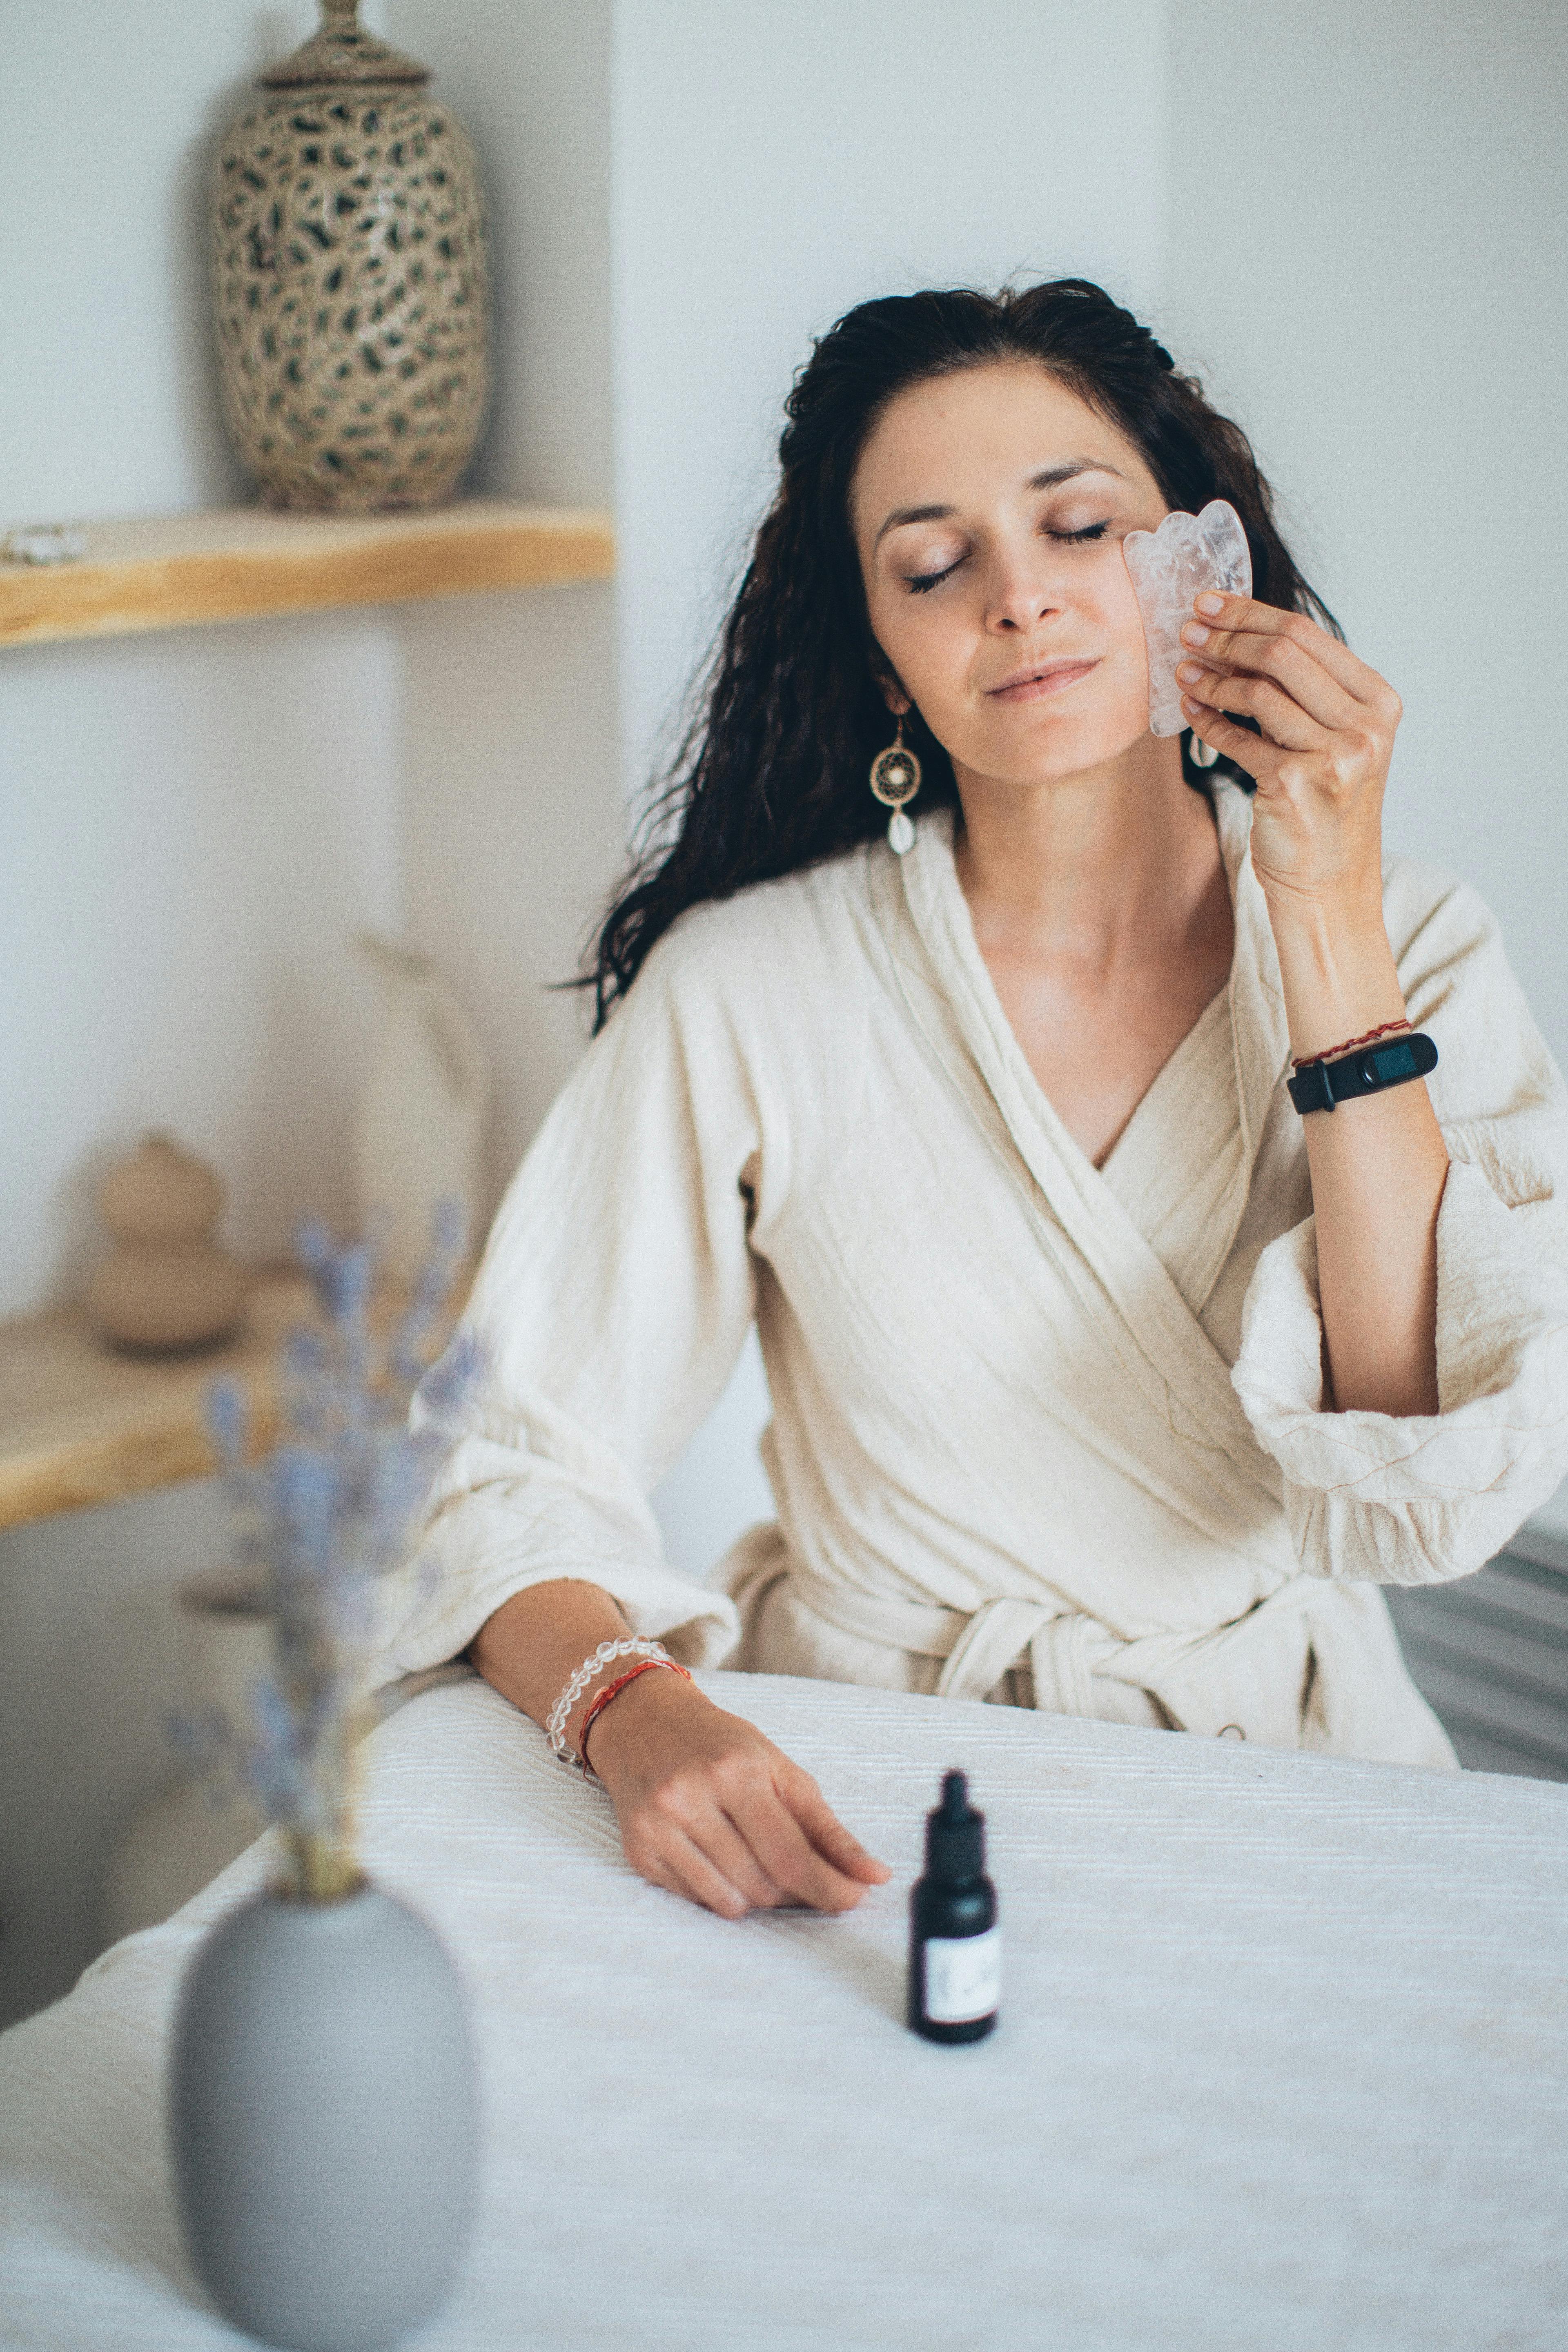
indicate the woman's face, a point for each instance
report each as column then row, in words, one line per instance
column 989, row 509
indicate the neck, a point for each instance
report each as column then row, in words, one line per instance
column 1101, row 869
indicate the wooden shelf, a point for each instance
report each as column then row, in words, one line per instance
column 80, row 1423
column 237, row 563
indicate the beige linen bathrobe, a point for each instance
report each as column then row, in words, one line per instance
column 1040, row 1431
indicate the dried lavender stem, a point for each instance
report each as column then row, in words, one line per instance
column 321, row 1869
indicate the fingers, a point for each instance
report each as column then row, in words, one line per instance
column 702, row 1878
column 754, row 1851
column 712, row 1809
column 716, row 1836
column 712, row 1862
column 774, row 1821
column 1282, row 719
column 1238, row 619
column 659, row 1873
column 670, row 1857
column 1289, row 669
column 1309, row 694
column 829, row 1836
column 1252, row 755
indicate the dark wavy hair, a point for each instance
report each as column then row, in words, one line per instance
column 769, row 775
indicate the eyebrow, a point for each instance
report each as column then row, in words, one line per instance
column 1048, row 479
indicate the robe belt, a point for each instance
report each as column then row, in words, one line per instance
column 1249, row 1674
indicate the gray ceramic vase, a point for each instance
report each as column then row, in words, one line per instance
column 324, row 2119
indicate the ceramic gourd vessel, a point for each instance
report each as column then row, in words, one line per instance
column 350, row 279
column 166, row 1284
column 420, row 1131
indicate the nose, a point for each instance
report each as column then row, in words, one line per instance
column 1024, row 594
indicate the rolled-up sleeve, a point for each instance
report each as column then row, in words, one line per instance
column 610, row 1308
column 1420, row 1498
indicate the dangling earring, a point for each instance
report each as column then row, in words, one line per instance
column 1201, row 754
column 895, row 779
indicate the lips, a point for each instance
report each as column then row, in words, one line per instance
column 1042, row 679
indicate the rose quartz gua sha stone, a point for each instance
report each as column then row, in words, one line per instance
column 1186, row 556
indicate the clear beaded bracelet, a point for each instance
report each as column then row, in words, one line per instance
column 561, row 1713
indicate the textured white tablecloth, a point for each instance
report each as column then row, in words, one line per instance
column 1283, row 2061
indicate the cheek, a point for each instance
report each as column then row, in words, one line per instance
column 1117, row 623
column 928, row 640
column 1118, row 616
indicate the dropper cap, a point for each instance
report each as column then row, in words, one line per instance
column 955, row 1834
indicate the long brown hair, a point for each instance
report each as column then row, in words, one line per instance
column 771, row 774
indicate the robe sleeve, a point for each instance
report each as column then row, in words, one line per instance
column 609, row 1309
column 1414, row 1500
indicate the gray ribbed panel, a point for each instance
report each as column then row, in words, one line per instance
column 1490, row 1653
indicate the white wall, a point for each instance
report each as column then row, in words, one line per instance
column 194, row 826
column 512, row 823
column 109, row 393
column 771, row 167
column 775, row 166
column 194, row 823
column 1368, row 219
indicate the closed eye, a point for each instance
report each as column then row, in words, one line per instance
column 922, row 582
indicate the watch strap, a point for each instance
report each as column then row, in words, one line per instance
column 1371, row 1071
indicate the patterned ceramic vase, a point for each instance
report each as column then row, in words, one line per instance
column 351, row 279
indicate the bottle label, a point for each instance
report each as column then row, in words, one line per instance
column 964, row 1977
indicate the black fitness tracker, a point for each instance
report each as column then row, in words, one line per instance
column 1321, row 1085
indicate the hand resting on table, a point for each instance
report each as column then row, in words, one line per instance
column 707, row 1806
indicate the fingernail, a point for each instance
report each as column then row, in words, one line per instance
column 1188, row 672
column 1195, row 634
column 1211, row 604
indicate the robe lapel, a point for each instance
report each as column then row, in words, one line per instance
column 1187, row 1202
column 1261, row 1026
column 1161, row 1338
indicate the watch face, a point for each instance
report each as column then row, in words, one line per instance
column 1392, row 1062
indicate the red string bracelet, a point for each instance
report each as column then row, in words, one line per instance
column 1332, row 1052
column 643, row 1666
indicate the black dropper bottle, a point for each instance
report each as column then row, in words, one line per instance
column 955, row 1945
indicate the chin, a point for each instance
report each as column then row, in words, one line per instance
column 1044, row 743
column 1069, row 750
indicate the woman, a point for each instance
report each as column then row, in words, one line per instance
column 1103, row 1378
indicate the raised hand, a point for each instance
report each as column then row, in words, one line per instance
column 1321, row 761
column 1379, row 1168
